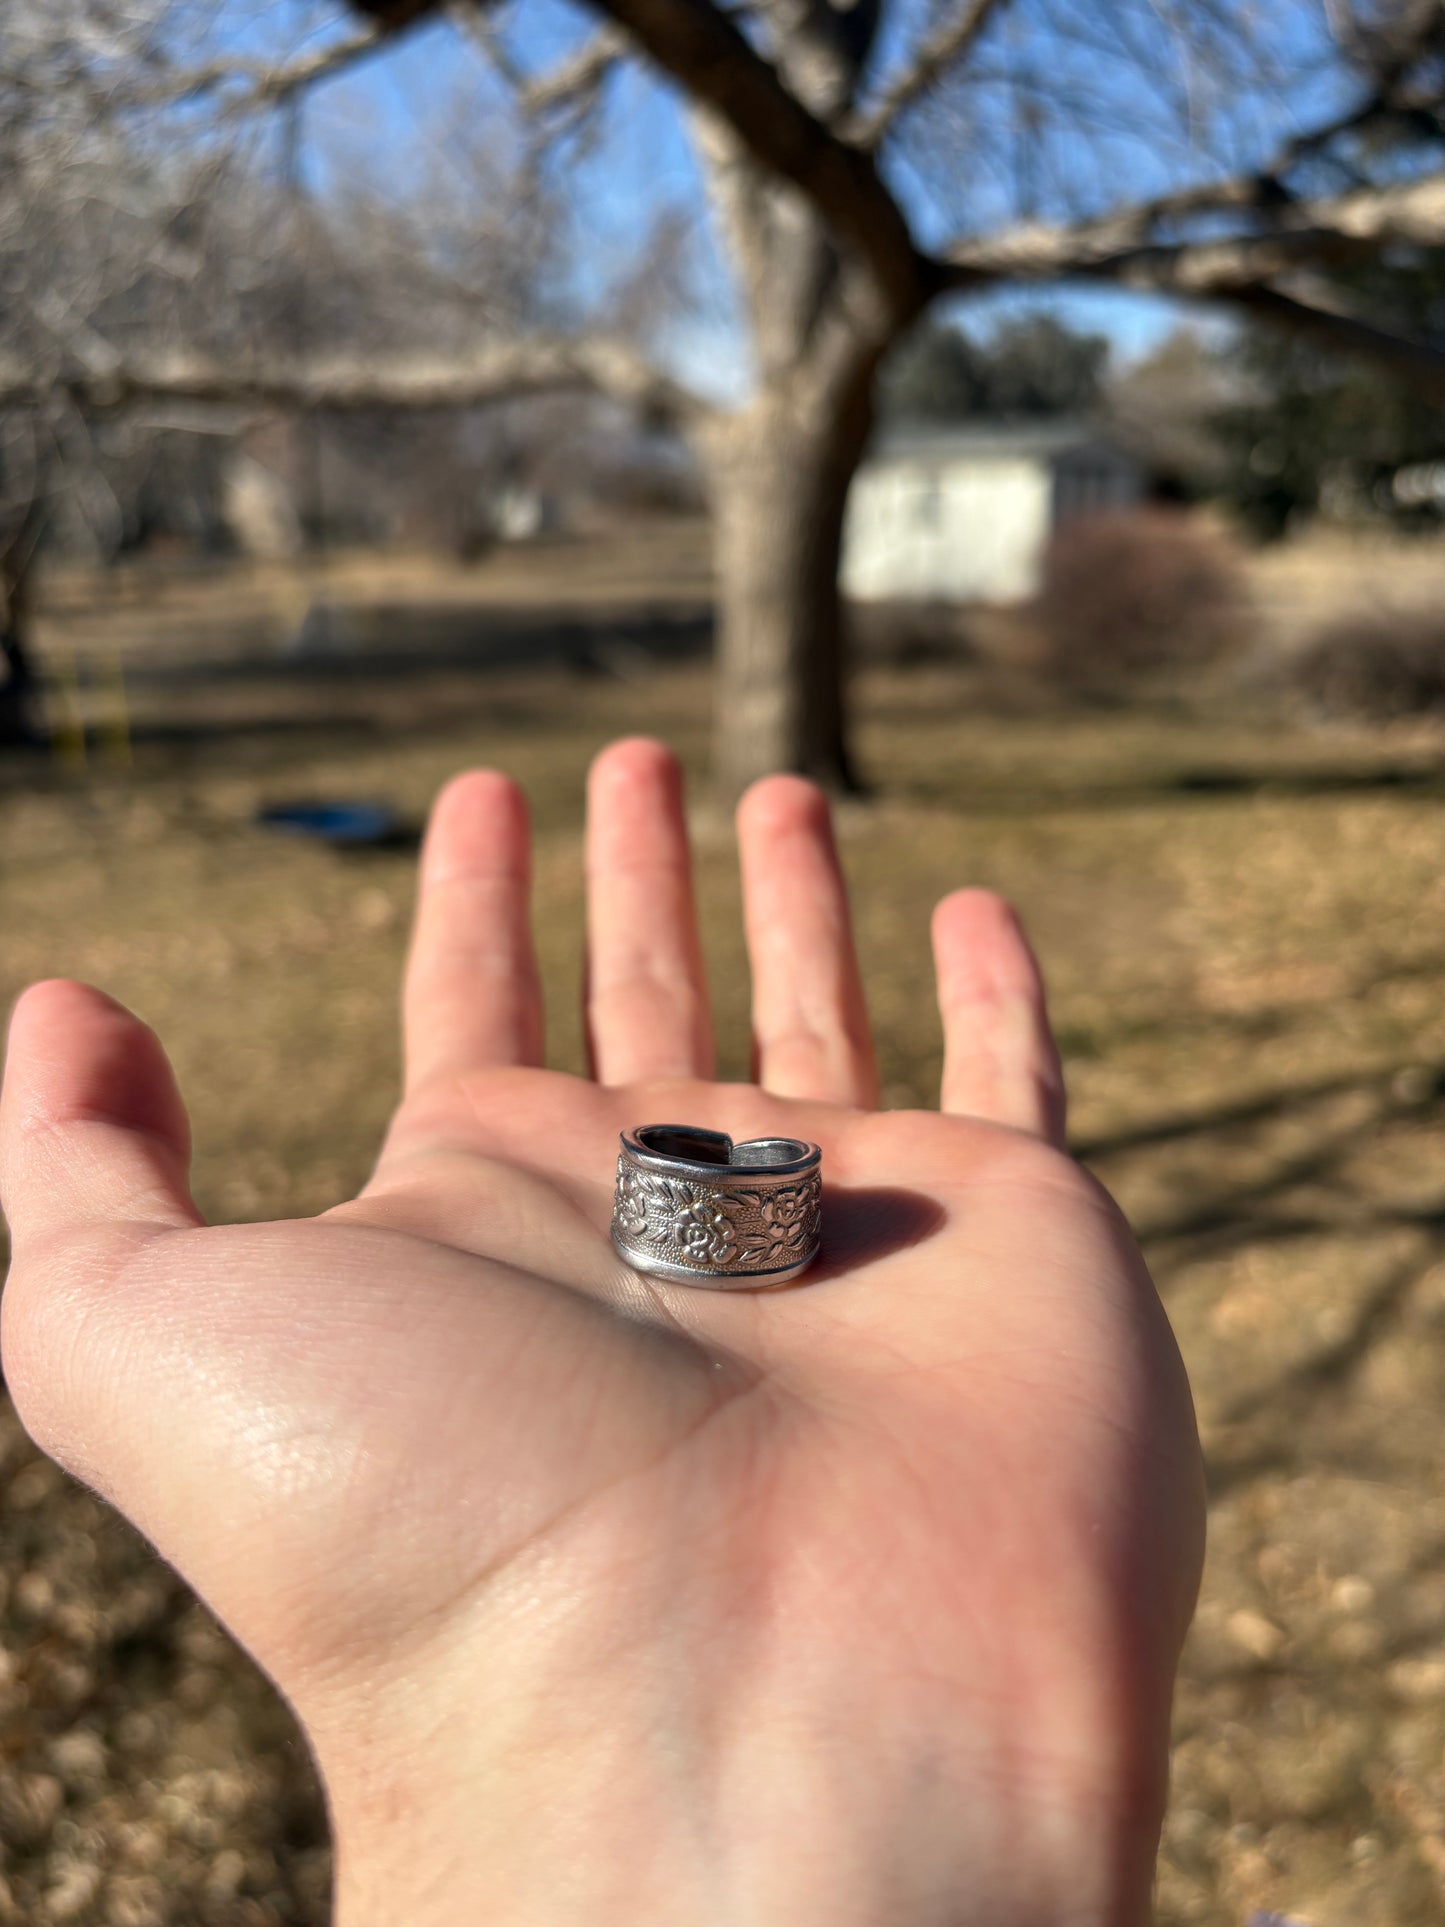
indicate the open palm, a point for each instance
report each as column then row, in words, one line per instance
column 855, row 1599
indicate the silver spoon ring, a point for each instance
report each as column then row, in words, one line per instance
column 692, row 1206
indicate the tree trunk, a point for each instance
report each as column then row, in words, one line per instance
column 18, row 681
column 780, row 473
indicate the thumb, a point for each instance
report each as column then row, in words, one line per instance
column 93, row 1133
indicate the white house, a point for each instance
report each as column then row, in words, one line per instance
column 963, row 513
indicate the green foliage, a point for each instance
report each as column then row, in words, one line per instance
column 1034, row 366
column 1316, row 428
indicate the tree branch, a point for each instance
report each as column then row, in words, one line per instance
column 577, row 76
column 953, row 41
column 255, row 83
column 705, row 53
column 1313, row 312
column 472, row 24
column 496, row 373
column 572, row 84
column 393, row 15
column 1260, row 272
column 1123, row 246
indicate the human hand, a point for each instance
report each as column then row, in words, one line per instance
column 603, row 1599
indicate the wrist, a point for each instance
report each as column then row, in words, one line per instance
column 463, row 1795
column 519, row 1848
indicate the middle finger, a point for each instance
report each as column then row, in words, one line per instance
column 647, row 1002
column 810, row 1023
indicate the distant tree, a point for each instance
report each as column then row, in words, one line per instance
column 1036, row 365
column 147, row 278
column 1040, row 366
column 1164, row 405
column 935, row 374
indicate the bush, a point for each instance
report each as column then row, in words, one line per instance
column 1137, row 590
column 1374, row 667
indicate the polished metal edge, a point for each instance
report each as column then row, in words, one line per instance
column 712, row 1280
column 700, row 1171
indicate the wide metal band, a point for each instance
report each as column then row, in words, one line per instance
column 693, row 1206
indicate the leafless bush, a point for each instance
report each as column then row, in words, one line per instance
column 1374, row 666
column 1133, row 591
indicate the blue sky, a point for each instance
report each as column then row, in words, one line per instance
column 381, row 120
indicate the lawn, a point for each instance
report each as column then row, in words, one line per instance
column 1243, row 924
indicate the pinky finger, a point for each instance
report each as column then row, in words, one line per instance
column 1000, row 1061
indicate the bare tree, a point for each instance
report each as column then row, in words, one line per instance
column 165, row 281
column 863, row 160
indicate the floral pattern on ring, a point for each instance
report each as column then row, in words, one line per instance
column 708, row 1228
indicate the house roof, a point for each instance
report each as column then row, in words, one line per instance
column 989, row 440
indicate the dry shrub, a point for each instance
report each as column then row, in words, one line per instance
column 1136, row 590
column 1375, row 666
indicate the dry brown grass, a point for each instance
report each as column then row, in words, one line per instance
column 1245, row 930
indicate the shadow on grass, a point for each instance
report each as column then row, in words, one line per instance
column 1429, row 777
column 1425, row 1085
column 386, row 641
column 1281, row 1169
column 1033, row 794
